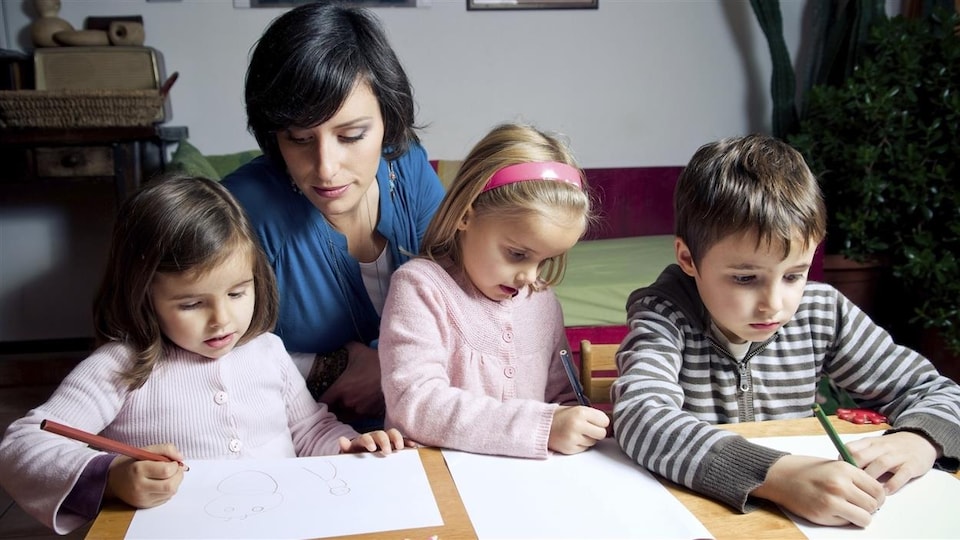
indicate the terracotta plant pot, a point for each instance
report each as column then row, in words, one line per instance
column 935, row 349
column 857, row 281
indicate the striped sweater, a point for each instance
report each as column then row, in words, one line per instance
column 676, row 381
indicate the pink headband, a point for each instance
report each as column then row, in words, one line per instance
column 548, row 170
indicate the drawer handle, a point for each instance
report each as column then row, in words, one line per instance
column 73, row 160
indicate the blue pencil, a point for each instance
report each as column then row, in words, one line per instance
column 574, row 379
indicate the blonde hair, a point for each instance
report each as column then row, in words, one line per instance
column 176, row 224
column 505, row 145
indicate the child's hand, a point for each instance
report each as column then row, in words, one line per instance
column 822, row 491
column 894, row 459
column 145, row 484
column 385, row 441
column 575, row 429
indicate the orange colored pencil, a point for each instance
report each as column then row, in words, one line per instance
column 102, row 443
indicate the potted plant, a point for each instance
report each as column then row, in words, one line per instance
column 836, row 39
column 837, row 33
column 885, row 145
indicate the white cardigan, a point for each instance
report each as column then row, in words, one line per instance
column 251, row 403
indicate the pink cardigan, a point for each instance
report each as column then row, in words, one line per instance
column 252, row 403
column 462, row 371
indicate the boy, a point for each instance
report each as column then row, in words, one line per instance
column 735, row 333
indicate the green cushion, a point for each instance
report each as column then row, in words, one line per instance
column 188, row 159
column 601, row 274
column 225, row 164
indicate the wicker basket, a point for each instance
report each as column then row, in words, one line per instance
column 80, row 108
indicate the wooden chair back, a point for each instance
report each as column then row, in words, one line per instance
column 598, row 367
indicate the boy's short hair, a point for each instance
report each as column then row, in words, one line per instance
column 752, row 183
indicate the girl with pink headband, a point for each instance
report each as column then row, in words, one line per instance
column 471, row 333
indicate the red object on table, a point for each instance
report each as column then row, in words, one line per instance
column 861, row 416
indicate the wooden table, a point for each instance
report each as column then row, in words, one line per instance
column 722, row 521
column 768, row 521
column 114, row 519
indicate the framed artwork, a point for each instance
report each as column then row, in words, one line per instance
column 293, row 3
column 483, row 5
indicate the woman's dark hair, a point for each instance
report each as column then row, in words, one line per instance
column 174, row 224
column 309, row 60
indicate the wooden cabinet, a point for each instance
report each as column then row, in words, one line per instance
column 126, row 156
column 59, row 190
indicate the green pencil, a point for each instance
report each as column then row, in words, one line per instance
column 834, row 437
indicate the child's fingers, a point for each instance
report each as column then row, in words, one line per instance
column 157, row 470
column 381, row 441
column 396, row 438
column 897, row 480
column 345, row 445
column 168, row 449
column 854, row 515
column 871, row 492
column 378, row 440
column 595, row 432
column 366, row 442
column 598, row 418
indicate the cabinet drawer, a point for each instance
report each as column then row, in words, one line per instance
column 74, row 161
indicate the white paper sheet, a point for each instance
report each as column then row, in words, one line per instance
column 596, row 494
column 312, row 497
column 927, row 507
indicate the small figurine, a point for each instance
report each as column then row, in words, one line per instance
column 43, row 29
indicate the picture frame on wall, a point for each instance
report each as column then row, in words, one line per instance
column 485, row 5
column 294, row 3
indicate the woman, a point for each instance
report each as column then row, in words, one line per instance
column 342, row 194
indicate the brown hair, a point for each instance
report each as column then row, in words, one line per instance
column 507, row 144
column 751, row 183
column 173, row 224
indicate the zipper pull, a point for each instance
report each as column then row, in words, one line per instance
column 744, row 376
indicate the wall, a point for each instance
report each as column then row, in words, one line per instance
column 633, row 83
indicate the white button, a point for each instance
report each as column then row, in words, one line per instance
column 508, row 336
column 509, row 371
column 235, row 445
column 220, row 398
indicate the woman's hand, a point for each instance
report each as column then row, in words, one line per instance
column 384, row 441
column 575, row 429
column 145, row 484
column 357, row 393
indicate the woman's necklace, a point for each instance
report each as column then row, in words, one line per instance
column 373, row 239
column 335, row 257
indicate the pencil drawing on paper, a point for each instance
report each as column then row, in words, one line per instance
column 328, row 473
column 248, row 493
column 244, row 494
